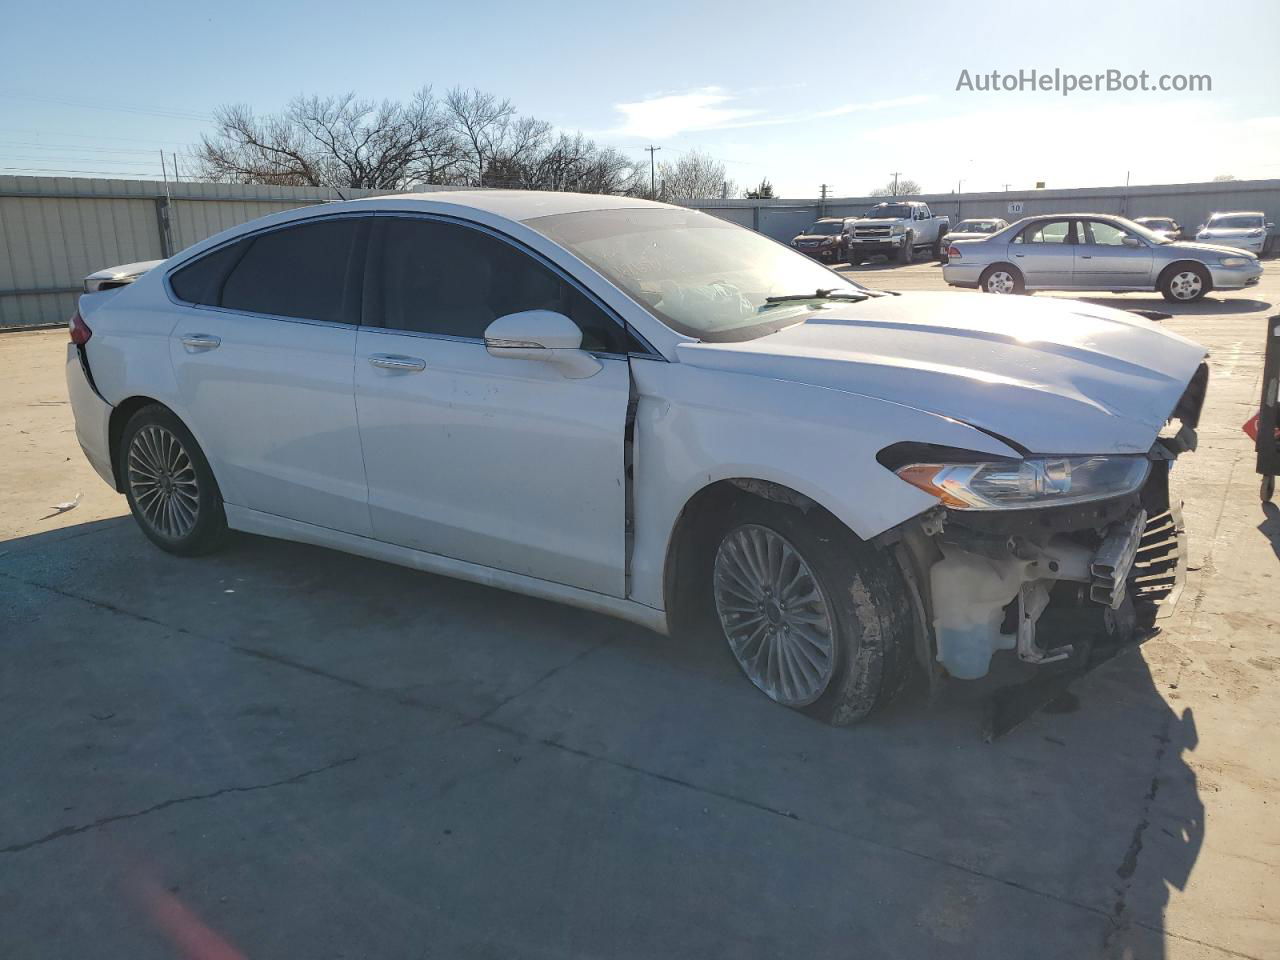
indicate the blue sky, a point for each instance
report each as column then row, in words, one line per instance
column 804, row 94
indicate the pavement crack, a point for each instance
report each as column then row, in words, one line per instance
column 173, row 802
column 576, row 658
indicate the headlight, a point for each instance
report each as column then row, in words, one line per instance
column 1017, row 484
column 897, row 228
column 1235, row 261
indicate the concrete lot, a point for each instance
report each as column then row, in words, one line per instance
column 279, row 751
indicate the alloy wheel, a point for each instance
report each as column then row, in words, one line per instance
column 1000, row 282
column 1186, row 285
column 779, row 623
column 163, row 482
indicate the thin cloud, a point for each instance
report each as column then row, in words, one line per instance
column 708, row 108
column 666, row 116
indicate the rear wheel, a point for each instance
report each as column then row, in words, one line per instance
column 1185, row 283
column 168, row 483
column 817, row 619
column 1001, row 278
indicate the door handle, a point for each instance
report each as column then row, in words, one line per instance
column 201, row 341
column 1086, row 256
column 1019, row 255
column 393, row 361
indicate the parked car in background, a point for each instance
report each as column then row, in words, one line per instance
column 1087, row 251
column 974, row 229
column 824, row 240
column 1242, row 230
column 648, row 412
column 897, row 229
column 1165, row 226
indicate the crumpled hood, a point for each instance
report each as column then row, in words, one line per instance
column 1052, row 375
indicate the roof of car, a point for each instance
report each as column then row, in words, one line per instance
column 1236, row 213
column 513, row 204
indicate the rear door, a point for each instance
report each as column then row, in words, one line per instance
column 1045, row 253
column 262, row 354
column 1104, row 261
column 495, row 461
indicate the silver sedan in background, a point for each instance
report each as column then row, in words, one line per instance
column 1090, row 251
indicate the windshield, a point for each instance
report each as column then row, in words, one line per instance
column 701, row 276
column 974, row 226
column 893, row 211
column 1155, row 223
column 1238, row 221
column 826, row 227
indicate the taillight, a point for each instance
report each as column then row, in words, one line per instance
column 80, row 332
column 953, row 252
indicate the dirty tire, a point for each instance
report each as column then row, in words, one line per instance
column 154, row 434
column 866, row 595
column 940, row 249
column 907, row 252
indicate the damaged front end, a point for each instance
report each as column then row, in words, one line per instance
column 1019, row 547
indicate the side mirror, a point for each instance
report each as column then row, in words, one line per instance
column 1131, row 242
column 542, row 335
column 1270, row 225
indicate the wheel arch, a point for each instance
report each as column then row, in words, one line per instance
column 120, row 416
column 1169, row 270
column 688, row 543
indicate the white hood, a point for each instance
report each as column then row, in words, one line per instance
column 1054, row 376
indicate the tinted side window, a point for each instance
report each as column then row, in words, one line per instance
column 201, row 280
column 299, row 271
column 443, row 278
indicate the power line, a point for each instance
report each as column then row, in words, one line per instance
column 90, row 105
column 79, row 147
column 108, row 173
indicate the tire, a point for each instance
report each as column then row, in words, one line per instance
column 907, row 252
column 861, row 613
column 1002, row 278
column 939, row 249
column 171, row 491
column 1185, row 283
column 853, row 260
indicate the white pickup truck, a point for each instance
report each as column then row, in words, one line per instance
column 897, row 229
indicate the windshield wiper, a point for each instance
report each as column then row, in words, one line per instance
column 830, row 293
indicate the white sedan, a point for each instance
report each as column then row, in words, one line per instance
column 653, row 413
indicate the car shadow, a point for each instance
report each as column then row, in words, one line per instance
column 1090, row 804
column 1209, row 305
column 1270, row 527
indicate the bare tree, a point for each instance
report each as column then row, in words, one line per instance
column 332, row 141
column 905, row 188
column 695, row 176
column 468, row 138
column 1224, row 178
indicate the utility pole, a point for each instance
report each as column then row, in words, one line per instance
column 896, row 174
column 824, row 191
column 653, row 182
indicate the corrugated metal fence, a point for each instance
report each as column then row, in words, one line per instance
column 55, row 230
column 1188, row 203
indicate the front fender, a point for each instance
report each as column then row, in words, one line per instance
column 695, row 427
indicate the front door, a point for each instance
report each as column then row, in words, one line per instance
column 262, row 352
column 1104, row 261
column 1044, row 253
column 495, row 461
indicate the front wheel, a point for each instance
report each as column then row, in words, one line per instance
column 1001, row 279
column 907, row 252
column 168, row 483
column 1185, row 284
column 817, row 619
